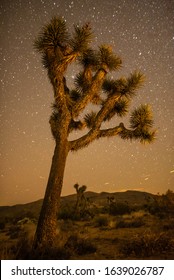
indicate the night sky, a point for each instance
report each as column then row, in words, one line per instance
column 142, row 34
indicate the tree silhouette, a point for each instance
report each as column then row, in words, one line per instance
column 92, row 85
column 81, row 201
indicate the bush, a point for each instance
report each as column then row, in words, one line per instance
column 5, row 252
column 161, row 205
column 131, row 223
column 119, row 209
column 23, row 251
column 168, row 224
column 26, row 215
column 2, row 225
column 101, row 221
column 148, row 244
column 66, row 213
column 69, row 213
column 14, row 231
column 56, row 253
column 79, row 245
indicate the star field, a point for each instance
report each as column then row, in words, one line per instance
column 142, row 34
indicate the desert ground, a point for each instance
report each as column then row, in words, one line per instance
column 129, row 225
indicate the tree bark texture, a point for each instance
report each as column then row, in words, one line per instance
column 47, row 224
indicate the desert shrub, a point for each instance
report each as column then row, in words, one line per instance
column 130, row 223
column 32, row 216
column 119, row 208
column 54, row 253
column 24, row 216
column 157, row 210
column 2, row 225
column 23, row 250
column 14, row 231
column 112, row 224
column 69, row 213
column 101, row 221
column 17, row 249
column 6, row 252
column 139, row 214
column 66, row 213
column 80, row 245
column 168, row 224
column 161, row 205
column 23, row 247
column 147, row 244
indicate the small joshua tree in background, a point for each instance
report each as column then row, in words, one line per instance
column 81, row 201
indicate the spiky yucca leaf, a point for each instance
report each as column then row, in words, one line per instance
column 132, row 84
column 144, row 135
column 147, row 136
column 81, row 82
column 81, row 39
column 142, row 117
column 108, row 58
column 125, row 86
column 47, row 60
column 90, row 119
column 54, row 118
column 111, row 86
column 54, row 107
column 136, row 80
column 120, row 109
column 53, row 34
column 75, row 95
column 75, row 125
column 89, row 59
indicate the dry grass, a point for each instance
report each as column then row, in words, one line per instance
column 147, row 245
column 104, row 237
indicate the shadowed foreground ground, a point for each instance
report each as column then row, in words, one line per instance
column 104, row 231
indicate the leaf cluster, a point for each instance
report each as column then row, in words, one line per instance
column 81, row 38
column 92, row 85
column 126, row 87
column 120, row 109
column 55, row 43
column 108, row 59
column 141, row 122
column 90, row 119
column 142, row 117
column 52, row 35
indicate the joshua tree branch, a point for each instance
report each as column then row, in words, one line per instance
column 90, row 92
column 110, row 131
column 107, row 106
column 96, row 133
column 93, row 134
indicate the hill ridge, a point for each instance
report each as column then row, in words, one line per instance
column 133, row 197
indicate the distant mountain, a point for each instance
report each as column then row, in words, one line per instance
column 99, row 199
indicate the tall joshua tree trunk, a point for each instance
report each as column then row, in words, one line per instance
column 112, row 98
column 47, row 224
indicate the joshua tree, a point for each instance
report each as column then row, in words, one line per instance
column 81, row 200
column 92, row 85
column 110, row 200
